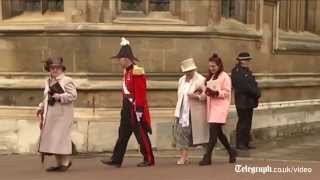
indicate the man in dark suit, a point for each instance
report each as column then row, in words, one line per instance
column 247, row 94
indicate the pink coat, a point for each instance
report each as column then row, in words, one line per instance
column 218, row 107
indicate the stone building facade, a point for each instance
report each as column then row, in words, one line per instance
column 283, row 36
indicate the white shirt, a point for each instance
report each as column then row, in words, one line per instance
column 185, row 107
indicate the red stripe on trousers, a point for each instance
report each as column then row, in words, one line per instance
column 146, row 144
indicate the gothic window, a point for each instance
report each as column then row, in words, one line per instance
column 132, row 5
column 159, row 5
column 11, row 8
column 145, row 6
column 236, row 9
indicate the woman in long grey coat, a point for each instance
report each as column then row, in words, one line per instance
column 191, row 127
column 56, row 112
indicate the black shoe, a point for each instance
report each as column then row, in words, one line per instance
column 53, row 169
column 242, row 147
column 145, row 164
column 111, row 163
column 63, row 168
column 206, row 160
column 232, row 156
column 205, row 163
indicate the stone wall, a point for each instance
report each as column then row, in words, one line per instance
column 87, row 34
column 97, row 131
column 104, row 91
column 286, row 63
column 159, row 54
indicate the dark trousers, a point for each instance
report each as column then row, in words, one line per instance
column 215, row 134
column 244, row 126
column 129, row 125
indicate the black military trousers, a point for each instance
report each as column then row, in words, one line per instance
column 129, row 125
column 244, row 127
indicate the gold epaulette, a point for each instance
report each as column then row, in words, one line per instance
column 138, row 70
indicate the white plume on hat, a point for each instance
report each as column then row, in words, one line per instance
column 124, row 42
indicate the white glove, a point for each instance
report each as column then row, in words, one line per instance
column 56, row 97
column 139, row 116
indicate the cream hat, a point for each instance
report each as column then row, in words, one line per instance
column 188, row 65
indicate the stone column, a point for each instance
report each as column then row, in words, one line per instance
column 292, row 15
column 311, row 16
column 301, row 15
column 195, row 12
column 76, row 10
column 187, row 11
column 254, row 13
column 100, row 11
column 109, row 10
column 317, row 18
column 1, row 16
column 215, row 11
column 242, row 10
column 10, row 8
column 284, row 15
column 69, row 10
column 95, row 10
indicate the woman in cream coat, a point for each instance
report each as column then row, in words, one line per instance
column 56, row 112
column 190, row 112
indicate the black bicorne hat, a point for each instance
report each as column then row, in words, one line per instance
column 53, row 61
column 244, row 56
column 125, row 51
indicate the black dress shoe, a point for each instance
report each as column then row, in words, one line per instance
column 205, row 162
column 145, row 164
column 53, row 169
column 242, row 147
column 111, row 163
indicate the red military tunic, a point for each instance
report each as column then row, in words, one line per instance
column 134, row 88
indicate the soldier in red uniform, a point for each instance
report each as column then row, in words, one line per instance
column 135, row 117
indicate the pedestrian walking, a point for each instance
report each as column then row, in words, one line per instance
column 56, row 114
column 191, row 125
column 247, row 94
column 135, row 117
column 218, row 94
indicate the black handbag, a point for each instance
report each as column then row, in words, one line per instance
column 54, row 89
